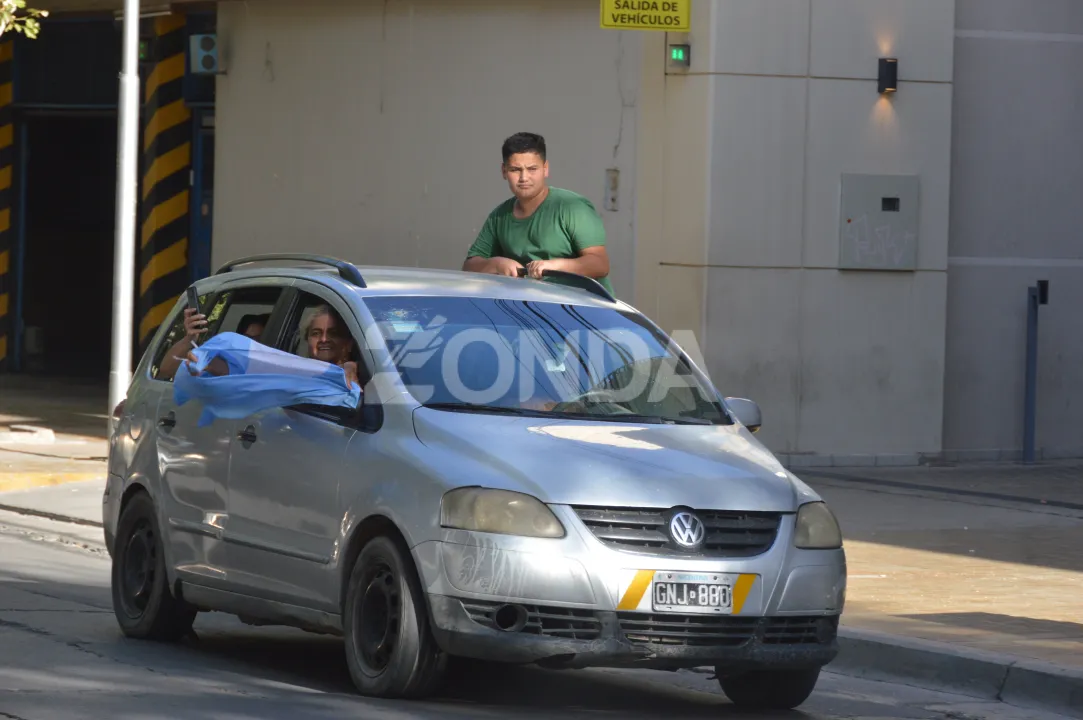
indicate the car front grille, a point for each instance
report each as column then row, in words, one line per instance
column 797, row 630
column 729, row 534
column 568, row 623
column 714, row 631
column 664, row 629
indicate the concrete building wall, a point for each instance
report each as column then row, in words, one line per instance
column 371, row 130
column 673, row 178
column 843, row 363
column 1016, row 217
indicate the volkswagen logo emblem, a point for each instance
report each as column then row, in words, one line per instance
column 687, row 530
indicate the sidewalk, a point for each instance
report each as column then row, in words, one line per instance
column 987, row 557
column 72, row 408
column 967, row 576
column 51, row 432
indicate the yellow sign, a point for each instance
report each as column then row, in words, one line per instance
column 673, row 15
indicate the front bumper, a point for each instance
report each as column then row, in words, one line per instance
column 559, row 637
column 589, row 603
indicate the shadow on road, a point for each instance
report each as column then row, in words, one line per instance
column 1012, row 624
column 72, row 648
column 1027, row 515
column 487, row 689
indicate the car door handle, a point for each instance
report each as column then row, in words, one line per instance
column 168, row 420
column 247, row 435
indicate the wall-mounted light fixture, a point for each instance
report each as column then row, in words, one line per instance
column 888, row 77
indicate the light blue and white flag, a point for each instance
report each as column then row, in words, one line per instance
column 260, row 377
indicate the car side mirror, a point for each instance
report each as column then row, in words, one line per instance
column 747, row 412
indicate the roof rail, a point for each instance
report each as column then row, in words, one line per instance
column 581, row 281
column 347, row 271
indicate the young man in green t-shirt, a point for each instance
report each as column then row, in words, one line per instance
column 540, row 227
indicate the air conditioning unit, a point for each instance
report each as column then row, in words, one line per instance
column 203, row 55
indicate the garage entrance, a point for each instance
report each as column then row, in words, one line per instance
column 64, row 180
column 65, row 138
column 70, row 188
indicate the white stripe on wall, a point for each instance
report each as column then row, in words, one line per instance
column 1019, row 36
column 1016, row 262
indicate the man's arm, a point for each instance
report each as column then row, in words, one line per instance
column 494, row 266
column 194, row 326
column 479, row 258
column 479, row 254
column 217, row 367
column 593, row 262
column 476, row 263
column 587, row 232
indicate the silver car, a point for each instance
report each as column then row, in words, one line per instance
column 536, row 473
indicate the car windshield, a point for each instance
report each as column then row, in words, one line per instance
column 540, row 358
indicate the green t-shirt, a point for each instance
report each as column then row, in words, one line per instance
column 562, row 226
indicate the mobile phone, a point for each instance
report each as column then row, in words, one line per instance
column 193, row 300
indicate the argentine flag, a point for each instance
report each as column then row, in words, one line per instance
column 260, row 377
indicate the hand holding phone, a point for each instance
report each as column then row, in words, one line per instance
column 195, row 323
column 193, row 300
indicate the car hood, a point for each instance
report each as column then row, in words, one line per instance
column 612, row 464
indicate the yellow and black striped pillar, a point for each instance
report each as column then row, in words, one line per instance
column 7, row 234
column 167, row 159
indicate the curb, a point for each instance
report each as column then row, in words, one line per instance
column 962, row 670
column 13, row 481
column 55, row 517
column 27, row 435
column 75, row 533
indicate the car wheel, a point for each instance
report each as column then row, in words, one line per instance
column 389, row 646
column 142, row 602
column 769, row 689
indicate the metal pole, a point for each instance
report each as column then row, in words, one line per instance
column 127, row 179
column 1030, row 387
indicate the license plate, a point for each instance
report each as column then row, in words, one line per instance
column 692, row 593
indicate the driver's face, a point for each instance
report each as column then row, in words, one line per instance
column 328, row 340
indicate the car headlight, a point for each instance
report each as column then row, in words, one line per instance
column 817, row 528
column 498, row 511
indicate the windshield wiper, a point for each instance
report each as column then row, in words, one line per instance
column 660, row 419
column 527, row 412
column 632, row 417
column 495, row 409
column 688, row 421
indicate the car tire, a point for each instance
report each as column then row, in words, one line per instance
column 143, row 605
column 769, row 689
column 389, row 647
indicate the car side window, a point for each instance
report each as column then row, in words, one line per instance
column 241, row 310
column 246, row 311
column 315, row 329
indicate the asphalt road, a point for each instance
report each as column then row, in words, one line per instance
column 62, row 657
